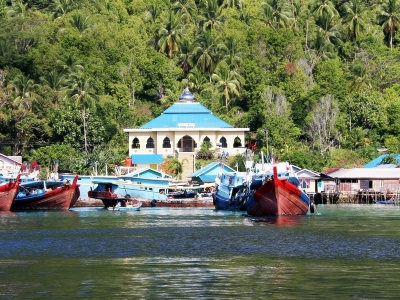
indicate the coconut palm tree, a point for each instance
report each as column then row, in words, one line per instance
column 23, row 91
column 211, row 15
column 321, row 47
column 325, row 7
column 185, row 57
column 82, row 91
column 61, row 7
column 70, row 64
column 187, row 9
column 227, row 81
column 305, row 16
column 353, row 18
column 233, row 3
column 197, row 80
column 245, row 16
column 80, row 22
column 176, row 167
column 330, row 31
column 277, row 12
column 389, row 18
column 233, row 57
column 205, row 53
column 18, row 8
column 360, row 80
column 56, row 82
column 153, row 11
column 170, row 34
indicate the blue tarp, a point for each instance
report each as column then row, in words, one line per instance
column 147, row 159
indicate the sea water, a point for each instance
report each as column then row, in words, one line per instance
column 340, row 252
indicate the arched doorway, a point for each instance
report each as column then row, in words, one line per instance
column 186, row 144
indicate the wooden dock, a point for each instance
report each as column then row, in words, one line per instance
column 359, row 197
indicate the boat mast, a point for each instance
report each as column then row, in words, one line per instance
column 266, row 135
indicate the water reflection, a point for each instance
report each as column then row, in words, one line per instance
column 196, row 253
column 7, row 214
column 278, row 220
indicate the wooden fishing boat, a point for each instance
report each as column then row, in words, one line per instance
column 130, row 207
column 47, row 195
column 390, row 202
column 232, row 191
column 149, row 194
column 278, row 196
column 127, row 204
column 8, row 191
column 232, row 188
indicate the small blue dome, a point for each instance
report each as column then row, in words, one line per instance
column 187, row 96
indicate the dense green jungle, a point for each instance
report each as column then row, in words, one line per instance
column 321, row 77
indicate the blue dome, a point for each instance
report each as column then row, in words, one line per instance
column 187, row 96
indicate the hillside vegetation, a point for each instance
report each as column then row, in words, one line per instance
column 320, row 79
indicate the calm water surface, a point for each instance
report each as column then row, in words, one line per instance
column 341, row 252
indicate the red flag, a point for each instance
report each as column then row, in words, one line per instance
column 253, row 146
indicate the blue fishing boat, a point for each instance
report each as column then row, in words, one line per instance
column 232, row 190
column 152, row 191
column 390, row 202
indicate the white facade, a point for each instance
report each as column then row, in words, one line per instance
column 185, row 140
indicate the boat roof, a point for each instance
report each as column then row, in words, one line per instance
column 209, row 172
column 177, row 186
column 146, row 171
column 42, row 183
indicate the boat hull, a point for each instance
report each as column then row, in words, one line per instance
column 62, row 198
column 162, row 203
column 223, row 203
column 7, row 194
column 278, row 197
column 110, row 193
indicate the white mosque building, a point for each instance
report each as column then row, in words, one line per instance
column 180, row 130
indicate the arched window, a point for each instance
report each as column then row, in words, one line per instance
column 206, row 139
column 237, row 142
column 135, row 143
column 150, row 143
column 223, row 142
column 166, row 143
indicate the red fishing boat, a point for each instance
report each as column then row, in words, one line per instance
column 278, row 196
column 8, row 192
column 46, row 195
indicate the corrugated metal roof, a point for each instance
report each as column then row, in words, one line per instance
column 377, row 161
column 387, row 166
column 304, row 173
column 187, row 108
column 367, row 173
column 209, row 167
column 186, row 115
column 330, row 171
